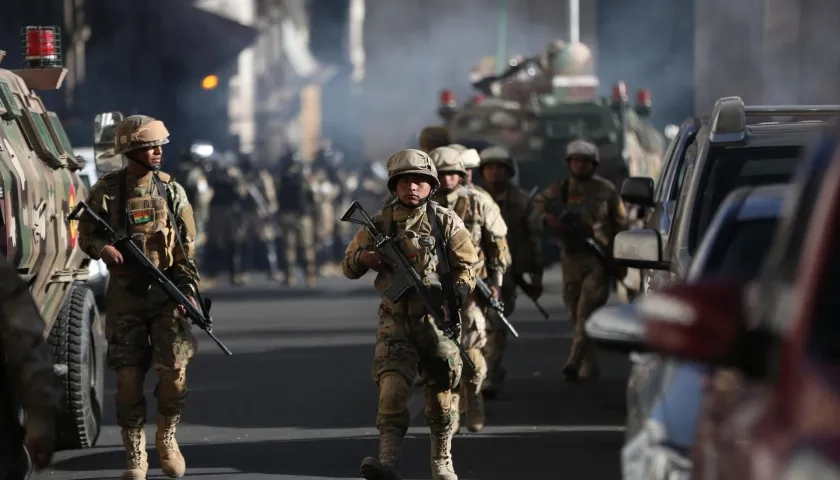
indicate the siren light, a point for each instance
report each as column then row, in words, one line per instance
column 477, row 99
column 447, row 98
column 619, row 92
column 42, row 47
column 643, row 97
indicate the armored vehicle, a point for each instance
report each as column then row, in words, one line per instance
column 39, row 186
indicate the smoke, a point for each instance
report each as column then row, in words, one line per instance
column 416, row 48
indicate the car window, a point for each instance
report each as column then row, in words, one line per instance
column 740, row 252
column 731, row 168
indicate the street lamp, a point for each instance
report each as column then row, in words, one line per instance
column 210, row 82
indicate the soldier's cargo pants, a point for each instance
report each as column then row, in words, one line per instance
column 494, row 349
column 405, row 339
column 585, row 289
column 299, row 231
column 142, row 333
column 473, row 339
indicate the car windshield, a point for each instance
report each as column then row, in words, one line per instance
column 740, row 253
column 733, row 168
column 573, row 125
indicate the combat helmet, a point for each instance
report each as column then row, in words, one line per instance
column 434, row 136
column 470, row 158
column 448, row 160
column 139, row 131
column 499, row 156
column 584, row 149
column 411, row 162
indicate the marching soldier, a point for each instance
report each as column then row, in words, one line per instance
column 487, row 229
column 601, row 215
column 226, row 237
column 144, row 328
column 407, row 335
column 525, row 227
column 297, row 212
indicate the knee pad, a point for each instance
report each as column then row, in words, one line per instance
column 172, row 384
column 394, row 392
column 438, row 403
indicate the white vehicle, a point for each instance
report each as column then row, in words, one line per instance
column 98, row 271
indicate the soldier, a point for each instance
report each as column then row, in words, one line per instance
column 471, row 161
column 297, row 211
column 483, row 220
column 326, row 191
column 199, row 194
column 226, row 237
column 407, row 337
column 524, row 230
column 27, row 379
column 433, row 137
column 262, row 206
column 601, row 214
column 144, row 327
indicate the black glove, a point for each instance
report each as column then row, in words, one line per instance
column 462, row 291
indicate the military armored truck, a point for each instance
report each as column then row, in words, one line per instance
column 39, row 186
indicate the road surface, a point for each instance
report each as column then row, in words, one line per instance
column 296, row 401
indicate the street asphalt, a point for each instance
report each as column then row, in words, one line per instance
column 296, row 399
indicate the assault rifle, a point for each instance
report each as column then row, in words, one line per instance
column 132, row 253
column 495, row 304
column 573, row 232
column 528, row 289
column 405, row 278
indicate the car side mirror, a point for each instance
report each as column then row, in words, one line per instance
column 638, row 191
column 699, row 322
column 639, row 248
column 617, row 328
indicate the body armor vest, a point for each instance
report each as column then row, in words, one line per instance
column 141, row 213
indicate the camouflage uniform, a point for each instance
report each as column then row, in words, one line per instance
column 226, row 237
column 28, row 363
column 325, row 194
column 199, row 194
column 586, row 283
column 471, row 161
column 263, row 195
column 297, row 211
column 487, row 228
column 407, row 336
column 524, row 230
column 143, row 326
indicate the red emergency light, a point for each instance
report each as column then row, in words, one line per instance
column 447, row 98
column 619, row 92
column 477, row 99
column 42, row 47
column 643, row 97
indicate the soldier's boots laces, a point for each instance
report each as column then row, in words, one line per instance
column 442, row 467
column 171, row 461
column 475, row 408
column 386, row 467
column 136, row 459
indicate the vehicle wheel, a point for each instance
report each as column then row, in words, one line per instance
column 74, row 340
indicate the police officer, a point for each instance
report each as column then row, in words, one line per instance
column 297, row 217
column 407, row 336
column 144, row 328
column 27, row 379
column 261, row 210
column 525, row 227
column 230, row 203
column 601, row 214
column 487, row 228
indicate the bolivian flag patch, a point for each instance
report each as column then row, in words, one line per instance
column 139, row 217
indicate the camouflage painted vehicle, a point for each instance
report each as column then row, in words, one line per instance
column 39, row 186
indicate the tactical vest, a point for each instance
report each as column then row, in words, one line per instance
column 225, row 192
column 141, row 213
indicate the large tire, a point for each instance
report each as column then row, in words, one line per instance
column 77, row 342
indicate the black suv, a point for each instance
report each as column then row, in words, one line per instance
column 738, row 146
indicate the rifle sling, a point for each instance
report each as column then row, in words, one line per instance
column 162, row 192
column 443, row 260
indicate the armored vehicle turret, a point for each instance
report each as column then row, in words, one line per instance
column 39, row 186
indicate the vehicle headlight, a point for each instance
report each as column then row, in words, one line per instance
column 809, row 465
column 646, row 458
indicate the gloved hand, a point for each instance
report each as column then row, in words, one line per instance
column 462, row 292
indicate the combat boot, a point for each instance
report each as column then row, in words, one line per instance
column 171, row 461
column 442, row 467
column 589, row 369
column 475, row 408
column 571, row 372
column 136, row 459
column 386, row 467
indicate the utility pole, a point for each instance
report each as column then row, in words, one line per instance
column 501, row 46
column 574, row 21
